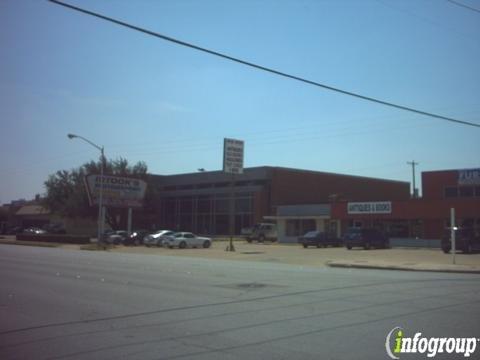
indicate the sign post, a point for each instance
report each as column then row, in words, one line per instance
column 129, row 222
column 452, row 233
column 232, row 164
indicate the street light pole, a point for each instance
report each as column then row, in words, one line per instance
column 100, row 200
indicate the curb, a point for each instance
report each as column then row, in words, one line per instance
column 29, row 243
column 401, row 268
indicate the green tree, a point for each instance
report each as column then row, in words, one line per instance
column 66, row 194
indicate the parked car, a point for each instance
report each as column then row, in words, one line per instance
column 135, row 238
column 366, row 238
column 157, row 238
column 54, row 229
column 465, row 240
column 187, row 239
column 319, row 239
column 262, row 232
column 34, row 231
column 115, row 237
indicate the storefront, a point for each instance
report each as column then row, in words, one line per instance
column 427, row 217
column 296, row 220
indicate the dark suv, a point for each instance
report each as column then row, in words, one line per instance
column 365, row 238
column 465, row 240
column 319, row 239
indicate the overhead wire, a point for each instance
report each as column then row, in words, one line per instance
column 464, row 6
column 264, row 68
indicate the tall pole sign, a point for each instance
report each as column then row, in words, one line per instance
column 232, row 164
column 233, row 156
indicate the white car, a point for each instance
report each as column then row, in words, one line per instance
column 157, row 238
column 187, row 239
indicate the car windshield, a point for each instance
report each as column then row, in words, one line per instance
column 312, row 234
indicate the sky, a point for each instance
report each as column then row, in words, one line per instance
column 146, row 99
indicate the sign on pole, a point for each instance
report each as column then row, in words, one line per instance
column 233, row 156
column 117, row 191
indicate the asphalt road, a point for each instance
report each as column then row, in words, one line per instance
column 66, row 304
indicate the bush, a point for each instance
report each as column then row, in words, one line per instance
column 55, row 238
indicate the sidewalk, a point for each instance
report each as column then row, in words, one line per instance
column 385, row 265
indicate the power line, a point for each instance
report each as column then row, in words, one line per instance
column 464, row 6
column 263, row 68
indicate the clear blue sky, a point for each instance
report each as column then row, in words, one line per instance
column 147, row 99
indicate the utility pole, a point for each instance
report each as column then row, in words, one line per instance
column 413, row 163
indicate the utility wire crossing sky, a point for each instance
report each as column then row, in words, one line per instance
column 260, row 67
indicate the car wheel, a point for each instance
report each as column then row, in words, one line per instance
column 304, row 246
column 206, row 244
column 446, row 250
column 349, row 247
column 249, row 241
column 182, row 245
column 366, row 246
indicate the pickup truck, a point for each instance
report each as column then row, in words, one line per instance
column 262, row 232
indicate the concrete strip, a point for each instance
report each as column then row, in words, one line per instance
column 445, row 268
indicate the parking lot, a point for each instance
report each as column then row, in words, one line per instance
column 316, row 257
column 295, row 254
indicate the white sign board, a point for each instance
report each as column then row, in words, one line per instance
column 469, row 177
column 117, row 191
column 371, row 207
column 233, row 156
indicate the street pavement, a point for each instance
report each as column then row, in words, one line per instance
column 63, row 304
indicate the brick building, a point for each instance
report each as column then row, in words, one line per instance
column 426, row 217
column 199, row 202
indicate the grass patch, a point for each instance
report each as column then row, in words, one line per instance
column 96, row 247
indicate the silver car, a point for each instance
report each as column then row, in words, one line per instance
column 187, row 239
column 157, row 238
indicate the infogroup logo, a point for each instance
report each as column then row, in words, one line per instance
column 397, row 343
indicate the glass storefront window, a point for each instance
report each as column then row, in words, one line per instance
column 300, row 227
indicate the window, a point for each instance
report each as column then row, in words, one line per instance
column 243, row 205
column 466, row 191
column 451, row 192
column 300, row 227
column 293, row 227
column 185, row 187
column 222, row 205
column 203, row 205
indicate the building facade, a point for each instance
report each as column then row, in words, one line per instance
column 427, row 217
column 199, row 202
